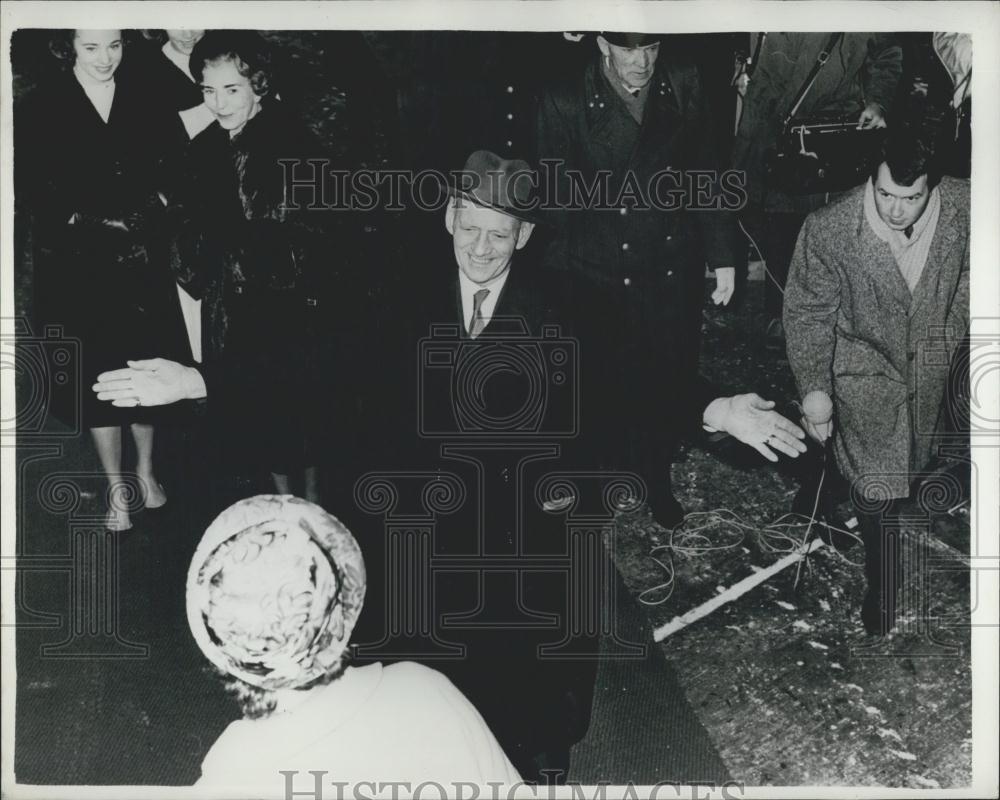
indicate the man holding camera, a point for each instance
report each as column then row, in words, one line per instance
column 876, row 305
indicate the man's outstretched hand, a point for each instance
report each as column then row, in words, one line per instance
column 150, row 382
column 751, row 419
column 725, row 285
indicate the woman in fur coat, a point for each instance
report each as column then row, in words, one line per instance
column 259, row 261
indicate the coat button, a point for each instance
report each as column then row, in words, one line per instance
column 510, row 143
column 627, row 281
column 670, row 272
column 591, row 105
column 601, row 105
column 623, row 211
column 510, row 116
column 624, row 245
column 669, row 238
column 510, row 90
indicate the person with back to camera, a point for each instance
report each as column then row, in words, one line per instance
column 87, row 148
column 273, row 592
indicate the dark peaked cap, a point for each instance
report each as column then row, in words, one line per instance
column 504, row 185
column 631, row 39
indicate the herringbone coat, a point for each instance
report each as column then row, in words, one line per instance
column 854, row 330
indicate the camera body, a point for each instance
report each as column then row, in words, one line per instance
column 505, row 383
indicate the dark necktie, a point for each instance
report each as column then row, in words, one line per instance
column 908, row 231
column 478, row 323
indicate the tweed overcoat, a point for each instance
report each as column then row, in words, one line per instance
column 854, row 330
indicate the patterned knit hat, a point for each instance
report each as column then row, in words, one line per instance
column 274, row 590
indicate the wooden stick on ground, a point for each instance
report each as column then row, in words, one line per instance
column 734, row 591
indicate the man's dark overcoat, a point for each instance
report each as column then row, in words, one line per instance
column 639, row 271
column 432, row 399
column 587, row 126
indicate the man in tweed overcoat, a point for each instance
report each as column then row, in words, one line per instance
column 876, row 304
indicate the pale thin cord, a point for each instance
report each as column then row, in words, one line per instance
column 775, row 538
column 762, row 257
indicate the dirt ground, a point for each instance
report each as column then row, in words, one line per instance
column 791, row 688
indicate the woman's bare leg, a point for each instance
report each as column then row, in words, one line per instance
column 108, row 441
column 143, row 436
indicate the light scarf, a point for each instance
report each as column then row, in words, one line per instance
column 910, row 252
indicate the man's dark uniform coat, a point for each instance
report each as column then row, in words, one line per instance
column 638, row 272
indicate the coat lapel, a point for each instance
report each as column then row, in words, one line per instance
column 945, row 235
column 87, row 111
column 875, row 257
column 608, row 121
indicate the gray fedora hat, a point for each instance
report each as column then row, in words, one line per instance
column 504, row 185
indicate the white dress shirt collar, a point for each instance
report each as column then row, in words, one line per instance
column 469, row 288
column 181, row 61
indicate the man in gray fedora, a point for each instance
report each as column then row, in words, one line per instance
column 499, row 334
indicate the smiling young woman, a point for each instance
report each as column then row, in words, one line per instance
column 267, row 296
column 87, row 148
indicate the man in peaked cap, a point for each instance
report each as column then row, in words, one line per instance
column 636, row 116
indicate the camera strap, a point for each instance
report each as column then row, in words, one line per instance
column 807, row 84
